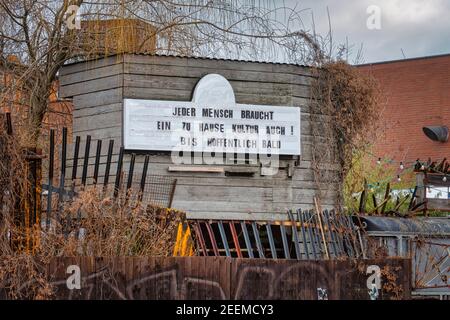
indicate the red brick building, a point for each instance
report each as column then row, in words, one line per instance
column 417, row 94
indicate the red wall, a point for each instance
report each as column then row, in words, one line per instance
column 417, row 94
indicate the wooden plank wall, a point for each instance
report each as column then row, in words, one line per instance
column 98, row 88
column 208, row 278
column 433, row 180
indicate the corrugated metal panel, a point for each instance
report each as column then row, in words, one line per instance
column 189, row 57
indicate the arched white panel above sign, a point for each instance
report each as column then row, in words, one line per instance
column 211, row 122
column 214, row 89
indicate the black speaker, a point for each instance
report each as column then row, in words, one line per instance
column 436, row 133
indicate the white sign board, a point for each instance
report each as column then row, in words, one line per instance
column 211, row 127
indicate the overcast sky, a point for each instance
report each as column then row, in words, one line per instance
column 419, row 27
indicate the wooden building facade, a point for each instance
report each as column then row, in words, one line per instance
column 232, row 190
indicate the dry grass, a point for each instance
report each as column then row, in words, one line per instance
column 15, row 268
column 106, row 228
column 93, row 225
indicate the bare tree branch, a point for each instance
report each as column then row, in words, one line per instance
column 35, row 31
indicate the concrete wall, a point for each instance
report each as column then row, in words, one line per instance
column 99, row 87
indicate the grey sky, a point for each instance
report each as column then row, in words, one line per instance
column 419, row 27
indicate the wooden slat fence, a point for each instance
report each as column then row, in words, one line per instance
column 306, row 236
column 151, row 189
column 208, row 278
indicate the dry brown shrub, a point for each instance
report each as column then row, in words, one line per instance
column 12, row 174
column 16, row 268
column 391, row 285
column 107, row 228
column 94, row 225
column 344, row 114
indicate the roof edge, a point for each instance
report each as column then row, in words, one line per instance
column 404, row 60
column 186, row 57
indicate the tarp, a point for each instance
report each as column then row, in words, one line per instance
column 419, row 225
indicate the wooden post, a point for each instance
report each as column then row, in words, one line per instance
column 118, row 173
column 172, row 193
column 386, row 198
column 319, row 213
column 421, row 191
column 75, row 162
column 97, row 160
column 363, row 200
column 86, row 161
column 287, row 254
column 31, row 206
column 51, row 162
column 108, row 165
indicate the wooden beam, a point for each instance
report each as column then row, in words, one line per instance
column 319, row 215
column 196, row 169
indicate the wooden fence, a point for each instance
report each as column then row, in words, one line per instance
column 152, row 189
column 306, row 235
column 208, row 278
